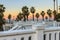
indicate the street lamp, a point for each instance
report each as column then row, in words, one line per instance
column 54, row 4
column 57, row 5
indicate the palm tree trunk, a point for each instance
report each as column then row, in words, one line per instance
column 33, row 17
column 37, row 19
column 24, row 18
column 1, row 24
column 49, row 17
column 9, row 20
column 43, row 18
column 1, row 27
column 27, row 17
column 54, row 17
column 20, row 19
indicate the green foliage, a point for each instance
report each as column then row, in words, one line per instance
column 19, row 16
column 58, row 17
column 49, row 12
column 9, row 16
column 2, row 9
column 42, row 13
column 54, row 13
column 32, row 10
column 37, row 16
column 25, row 12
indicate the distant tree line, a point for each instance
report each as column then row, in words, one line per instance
column 25, row 13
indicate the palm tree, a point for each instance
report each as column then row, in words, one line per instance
column 37, row 16
column 43, row 13
column 32, row 10
column 46, row 17
column 19, row 16
column 9, row 17
column 27, row 15
column 58, row 17
column 2, row 10
column 25, row 11
column 49, row 12
column 55, row 13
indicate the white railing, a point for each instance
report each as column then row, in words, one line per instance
column 58, row 24
column 29, row 24
column 53, row 24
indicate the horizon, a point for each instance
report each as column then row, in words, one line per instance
column 13, row 7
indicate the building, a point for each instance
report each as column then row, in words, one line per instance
column 32, row 31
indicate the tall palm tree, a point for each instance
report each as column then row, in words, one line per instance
column 19, row 16
column 46, row 18
column 2, row 10
column 49, row 12
column 37, row 16
column 55, row 13
column 58, row 17
column 9, row 17
column 27, row 15
column 43, row 13
column 32, row 10
column 25, row 11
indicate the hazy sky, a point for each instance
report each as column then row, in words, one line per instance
column 14, row 6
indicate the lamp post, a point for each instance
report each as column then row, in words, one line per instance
column 54, row 4
column 57, row 6
column 59, row 9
